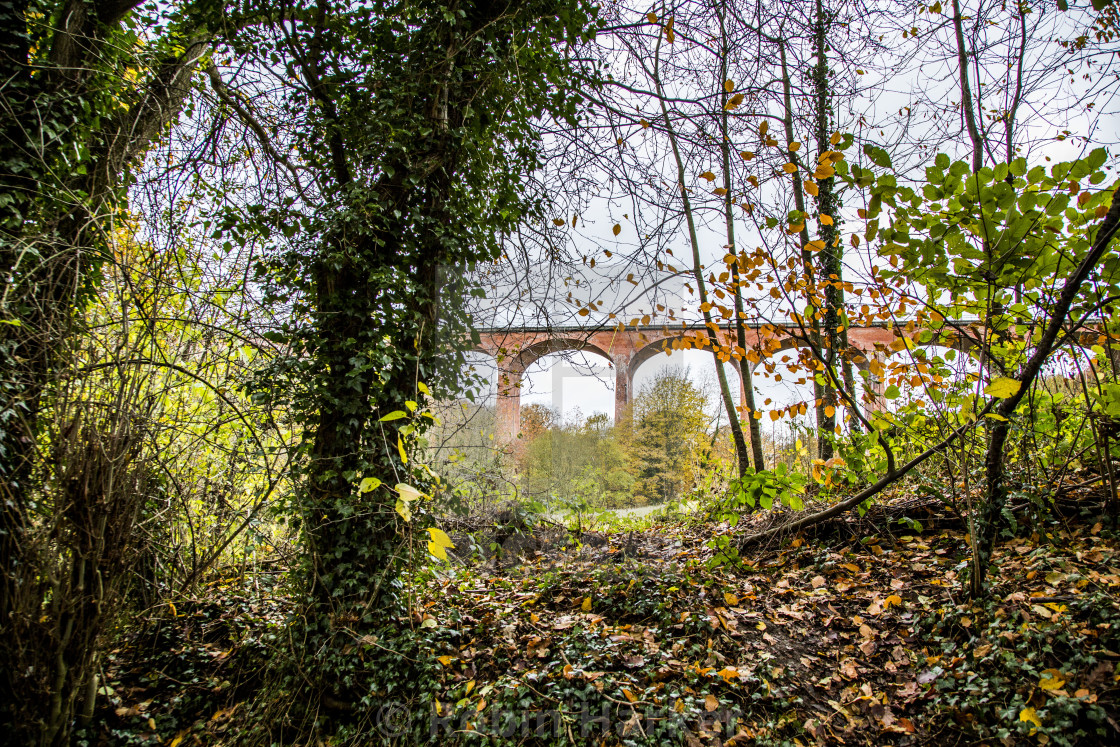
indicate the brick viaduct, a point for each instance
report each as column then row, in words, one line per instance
column 627, row 349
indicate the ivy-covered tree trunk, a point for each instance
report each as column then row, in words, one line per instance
column 834, row 349
column 412, row 124
column 72, row 125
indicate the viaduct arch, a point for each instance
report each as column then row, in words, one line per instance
column 626, row 349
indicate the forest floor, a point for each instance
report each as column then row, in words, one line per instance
column 633, row 638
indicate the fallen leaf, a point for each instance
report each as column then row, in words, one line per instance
column 1030, row 716
column 710, row 703
column 1052, row 679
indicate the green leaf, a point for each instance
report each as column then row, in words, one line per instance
column 892, row 392
column 1003, row 387
column 394, row 415
column 368, row 483
column 878, row 156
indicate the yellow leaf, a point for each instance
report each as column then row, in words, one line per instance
column 812, row 188
column 470, row 686
column 835, row 139
column 445, row 660
column 851, row 567
column 408, row 493
column 794, row 147
column 629, row 695
column 403, row 509
column 829, row 411
column 775, row 415
column 763, row 129
column 826, row 220
column 1003, row 387
column 440, row 538
column 651, row 17
column 746, row 155
column 710, row 703
column 178, row 740
column 894, row 600
column 586, row 606
column 558, row 221
column 401, row 451
column 733, row 102
column 644, row 123
column 729, row 85
column 708, row 175
column 823, row 171
column 719, row 191
column 729, row 673
column 1030, row 716
column 440, row 543
column 789, row 168
column 423, row 388
column 1051, row 680
column 730, row 599
column 617, row 229
column 367, row 484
